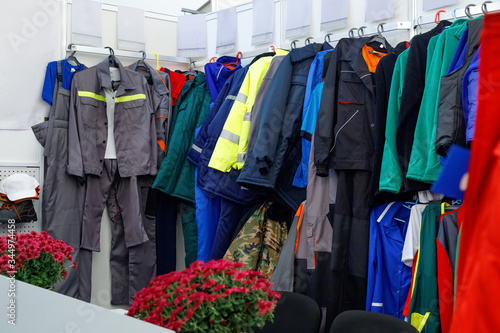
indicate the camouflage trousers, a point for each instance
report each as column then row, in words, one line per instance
column 258, row 244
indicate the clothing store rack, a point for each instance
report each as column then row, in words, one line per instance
column 365, row 31
column 457, row 13
column 126, row 54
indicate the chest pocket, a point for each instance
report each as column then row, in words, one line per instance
column 88, row 111
column 351, row 88
column 133, row 110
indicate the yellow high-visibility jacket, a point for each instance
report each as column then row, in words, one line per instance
column 230, row 150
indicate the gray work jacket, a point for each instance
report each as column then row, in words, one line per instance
column 162, row 105
column 134, row 123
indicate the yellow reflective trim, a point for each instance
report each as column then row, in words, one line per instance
column 418, row 321
column 129, row 98
column 92, row 95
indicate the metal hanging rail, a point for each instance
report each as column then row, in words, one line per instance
column 126, row 54
column 366, row 31
column 382, row 28
column 457, row 13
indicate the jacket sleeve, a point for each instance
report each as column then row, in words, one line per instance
column 74, row 164
column 323, row 134
column 226, row 150
column 152, row 131
column 202, row 136
column 271, row 116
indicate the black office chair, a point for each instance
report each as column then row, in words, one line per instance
column 355, row 321
column 294, row 313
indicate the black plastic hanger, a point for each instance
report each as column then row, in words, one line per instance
column 72, row 56
column 111, row 58
column 141, row 62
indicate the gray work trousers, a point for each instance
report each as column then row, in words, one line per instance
column 132, row 268
column 110, row 186
column 63, row 196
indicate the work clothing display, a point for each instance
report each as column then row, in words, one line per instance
column 388, row 278
column 63, row 195
column 424, row 163
column 314, row 166
column 278, row 133
column 390, row 176
column 134, row 124
column 312, row 99
column 413, row 90
column 450, row 127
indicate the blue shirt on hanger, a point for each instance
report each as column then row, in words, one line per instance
column 388, row 278
column 67, row 70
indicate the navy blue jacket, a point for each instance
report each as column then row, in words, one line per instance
column 277, row 140
column 213, row 181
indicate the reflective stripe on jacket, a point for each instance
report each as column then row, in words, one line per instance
column 231, row 146
column 134, row 125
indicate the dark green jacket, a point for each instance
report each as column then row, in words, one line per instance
column 425, row 163
column 176, row 175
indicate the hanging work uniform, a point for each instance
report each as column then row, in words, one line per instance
column 278, row 130
column 133, row 268
column 450, row 126
column 63, row 195
column 388, row 278
column 390, row 174
column 235, row 200
column 111, row 141
column 424, row 163
column 176, row 176
column 424, row 309
column 230, row 150
column 413, row 89
column 208, row 208
column 217, row 73
column 390, row 73
column 344, row 140
column 314, row 78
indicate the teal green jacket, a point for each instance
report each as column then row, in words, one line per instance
column 176, row 174
column 390, row 174
column 424, row 161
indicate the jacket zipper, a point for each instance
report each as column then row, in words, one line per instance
column 340, row 129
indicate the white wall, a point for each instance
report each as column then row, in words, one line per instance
column 21, row 148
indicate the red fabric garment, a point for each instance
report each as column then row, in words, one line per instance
column 478, row 271
column 445, row 285
column 177, row 81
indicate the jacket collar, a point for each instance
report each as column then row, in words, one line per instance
column 308, row 51
column 159, row 85
column 105, row 77
column 390, row 225
column 358, row 63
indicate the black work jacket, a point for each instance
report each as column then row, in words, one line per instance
column 346, row 126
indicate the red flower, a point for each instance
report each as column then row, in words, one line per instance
column 199, row 293
column 264, row 306
column 208, row 284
